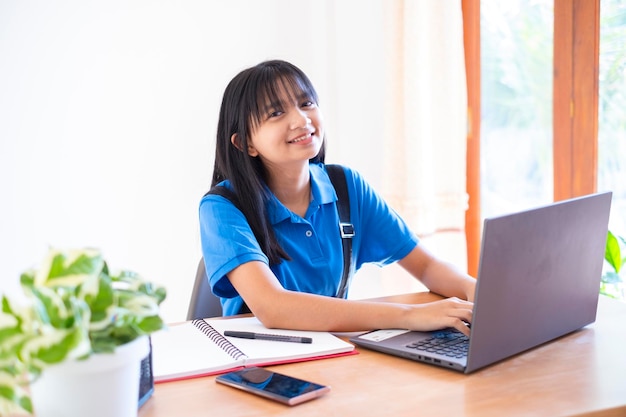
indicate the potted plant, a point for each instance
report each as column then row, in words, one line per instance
column 78, row 318
column 612, row 283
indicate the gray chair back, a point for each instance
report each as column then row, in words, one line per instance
column 203, row 302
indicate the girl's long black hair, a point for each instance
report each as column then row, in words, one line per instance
column 245, row 98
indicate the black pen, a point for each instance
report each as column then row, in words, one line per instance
column 265, row 336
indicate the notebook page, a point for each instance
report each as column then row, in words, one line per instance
column 183, row 350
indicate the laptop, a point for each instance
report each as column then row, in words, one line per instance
column 538, row 279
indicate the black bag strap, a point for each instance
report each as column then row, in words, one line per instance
column 224, row 192
column 346, row 228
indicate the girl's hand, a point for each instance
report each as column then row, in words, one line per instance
column 450, row 312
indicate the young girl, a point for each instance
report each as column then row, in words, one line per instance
column 274, row 239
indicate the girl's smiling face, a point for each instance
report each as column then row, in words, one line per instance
column 289, row 128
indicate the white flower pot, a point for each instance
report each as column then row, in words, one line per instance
column 104, row 385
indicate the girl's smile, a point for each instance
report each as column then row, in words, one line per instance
column 304, row 139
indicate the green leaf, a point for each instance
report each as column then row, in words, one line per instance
column 7, row 333
column 158, row 293
column 10, row 397
column 27, row 279
column 51, row 308
column 72, row 268
column 103, row 299
column 85, row 264
column 58, row 350
column 8, row 309
column 612, row 252
column 57, row 266
column 151, row 324
column 103, row 345
column 623, row 244
column 98, row 316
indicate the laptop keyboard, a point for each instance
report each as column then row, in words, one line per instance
column 450, row 343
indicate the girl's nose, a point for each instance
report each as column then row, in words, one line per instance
column 299, row 119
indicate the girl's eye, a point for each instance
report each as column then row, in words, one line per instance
column 308, row 104
column 275, row 113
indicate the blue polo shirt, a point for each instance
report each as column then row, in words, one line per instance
column 312, row 242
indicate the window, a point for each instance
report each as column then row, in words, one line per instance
column 516, row 105
column 612, row 110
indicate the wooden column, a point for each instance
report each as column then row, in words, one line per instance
column 471, row 40
column 575, row 111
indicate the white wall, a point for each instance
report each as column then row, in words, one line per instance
column 108, row 111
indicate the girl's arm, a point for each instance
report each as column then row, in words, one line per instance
column 276, row 307
column 438, row 276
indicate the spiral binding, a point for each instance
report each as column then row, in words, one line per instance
column 218, row 339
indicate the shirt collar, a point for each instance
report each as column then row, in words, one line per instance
column 322, row 192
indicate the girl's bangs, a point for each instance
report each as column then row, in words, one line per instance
column 272, row 85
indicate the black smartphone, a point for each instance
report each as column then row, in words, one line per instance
column 278, row 387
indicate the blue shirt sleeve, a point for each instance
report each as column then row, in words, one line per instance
column 227, row 242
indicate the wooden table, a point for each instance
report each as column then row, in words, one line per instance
column 583, row 373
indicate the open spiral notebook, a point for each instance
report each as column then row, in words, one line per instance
column 198, row 348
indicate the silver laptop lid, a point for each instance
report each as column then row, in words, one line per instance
column 539, row 276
